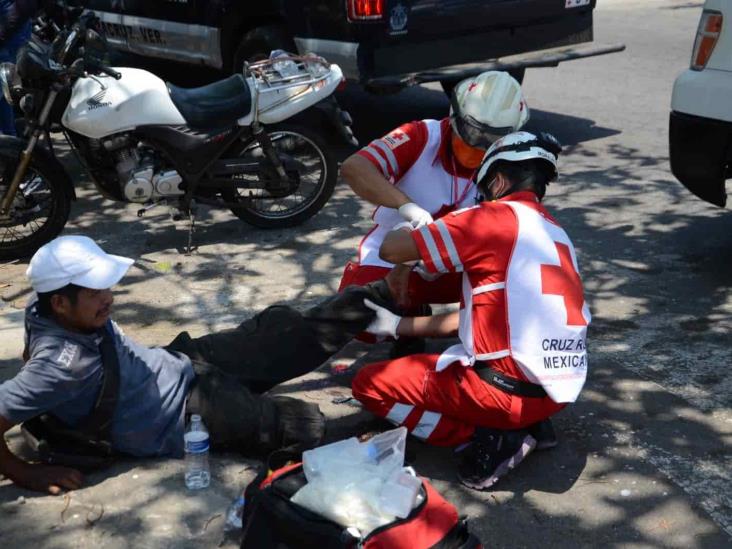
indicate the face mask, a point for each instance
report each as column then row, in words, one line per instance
column 467, row 156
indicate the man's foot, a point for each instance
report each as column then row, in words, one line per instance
column 543, row 432
column 491, row 455
column 300, row 425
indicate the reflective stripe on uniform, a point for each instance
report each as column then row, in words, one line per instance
column 489, row 288
column 432, row 249
column 399, row 413
column 427, row 424
column 494, row 355
column 389, row 154
column 449, row 245
column 373, row 153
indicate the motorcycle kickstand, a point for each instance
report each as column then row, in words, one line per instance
column 147, row 207
column 191, row 227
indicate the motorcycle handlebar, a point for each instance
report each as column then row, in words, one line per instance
column 108, row 71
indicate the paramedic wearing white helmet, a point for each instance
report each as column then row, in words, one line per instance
column 422, row 170
column 522, row 322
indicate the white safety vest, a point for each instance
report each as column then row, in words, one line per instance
column 547, row 313
column 429, row 186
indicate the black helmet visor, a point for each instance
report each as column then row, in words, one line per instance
column 474, row 133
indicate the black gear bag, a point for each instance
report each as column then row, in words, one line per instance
column 272, row 520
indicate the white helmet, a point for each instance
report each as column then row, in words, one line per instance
column 519, row 146
column 486, row 107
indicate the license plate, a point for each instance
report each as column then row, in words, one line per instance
column 575, row 3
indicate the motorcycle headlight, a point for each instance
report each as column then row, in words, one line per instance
column 7, row 78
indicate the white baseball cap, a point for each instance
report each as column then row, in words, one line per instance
column 75, row 260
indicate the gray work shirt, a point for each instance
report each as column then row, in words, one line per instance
column 64, row 377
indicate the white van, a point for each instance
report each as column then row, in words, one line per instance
column 700, row 130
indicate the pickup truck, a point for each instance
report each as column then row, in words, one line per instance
column 383, row 44
column 700, row 126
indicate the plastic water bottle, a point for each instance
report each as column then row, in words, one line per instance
column 196, row 447
column 235, row 514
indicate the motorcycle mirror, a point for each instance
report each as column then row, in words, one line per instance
column 95, row 47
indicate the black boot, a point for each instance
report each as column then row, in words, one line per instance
column 543, row 432
column 492, row 454
column 300, row 425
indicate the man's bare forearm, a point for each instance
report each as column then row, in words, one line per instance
column 368, row 183
column 444, row 325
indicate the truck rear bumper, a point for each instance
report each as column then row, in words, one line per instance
column 345, row 54
column 542, row 58
column 700, row 153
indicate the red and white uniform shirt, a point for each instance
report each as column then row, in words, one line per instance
column 416, row 158
column 522, row 305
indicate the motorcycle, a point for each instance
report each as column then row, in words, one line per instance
column 228, row 144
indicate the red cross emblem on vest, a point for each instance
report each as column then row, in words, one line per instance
column 564, row 281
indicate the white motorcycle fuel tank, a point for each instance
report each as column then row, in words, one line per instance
column 102, row 105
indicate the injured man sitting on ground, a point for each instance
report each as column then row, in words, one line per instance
column 70, row 337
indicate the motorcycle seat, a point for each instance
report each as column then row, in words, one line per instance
column 214, row 105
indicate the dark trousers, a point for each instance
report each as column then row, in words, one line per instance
column 233, row 367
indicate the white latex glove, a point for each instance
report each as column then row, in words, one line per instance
column 385, row 323
column 417, row 216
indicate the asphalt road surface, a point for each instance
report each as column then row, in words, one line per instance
column 644, row 458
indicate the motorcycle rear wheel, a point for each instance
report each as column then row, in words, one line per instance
column 307, row 149
column 40, row 209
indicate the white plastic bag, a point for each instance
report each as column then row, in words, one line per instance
column 349, row 481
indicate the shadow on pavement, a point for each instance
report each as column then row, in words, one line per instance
column 629, row 449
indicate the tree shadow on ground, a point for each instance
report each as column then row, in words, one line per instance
column 625, row 428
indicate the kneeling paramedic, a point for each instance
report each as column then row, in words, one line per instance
column 73, row 351
column 422, row 170
column 522, row 321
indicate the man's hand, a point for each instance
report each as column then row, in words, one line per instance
column 385, row 323
column 417, row 216
column 398, row 282
column 41, row 478
column 48, row 478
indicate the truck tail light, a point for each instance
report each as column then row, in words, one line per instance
column 710, row 26
column 365, row 10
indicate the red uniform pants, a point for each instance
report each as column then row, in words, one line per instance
column 443, row 408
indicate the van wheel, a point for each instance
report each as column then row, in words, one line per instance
column 258, row 43
column 449, row 85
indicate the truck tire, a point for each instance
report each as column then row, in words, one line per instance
column 449, row 85
column 258, row 43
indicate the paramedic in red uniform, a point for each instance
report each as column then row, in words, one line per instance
column 423, row 169
column 522, row 321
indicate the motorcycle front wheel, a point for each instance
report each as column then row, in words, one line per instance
column 314, row 170
column 39, row 210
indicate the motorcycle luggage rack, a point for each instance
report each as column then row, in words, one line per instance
column 312, row 71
